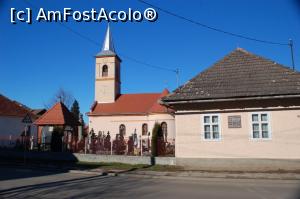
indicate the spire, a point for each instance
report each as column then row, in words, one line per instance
column 108, row 45
column 108, row 42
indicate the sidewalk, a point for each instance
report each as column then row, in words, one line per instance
column 205, row 174
column 141, row 172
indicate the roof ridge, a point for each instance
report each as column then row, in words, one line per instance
column 140, row 94
column 18, row 104
column 266, row 59
column 245, row 67
column 66, row 111
column 61, row 110
column 42, row 116
column 139, row 103
column 156, row 103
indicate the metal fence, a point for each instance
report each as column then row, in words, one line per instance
column 132, row 145
column 102, row 144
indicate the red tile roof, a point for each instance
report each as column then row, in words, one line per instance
column 132, row 104
column 57, row 115
column 12, row 108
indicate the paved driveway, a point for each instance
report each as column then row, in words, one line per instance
column 18, row 183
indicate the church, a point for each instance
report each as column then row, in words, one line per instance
column 116, row 114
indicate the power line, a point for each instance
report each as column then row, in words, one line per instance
column 94, row 42
column 149, row 65
column 210, row 27
column 122, row 55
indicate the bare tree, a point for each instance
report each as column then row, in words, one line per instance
column 61, row 96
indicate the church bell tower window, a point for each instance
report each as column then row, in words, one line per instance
column 104, row 71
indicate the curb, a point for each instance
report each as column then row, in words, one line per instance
column 87, row 172
column 206, row 175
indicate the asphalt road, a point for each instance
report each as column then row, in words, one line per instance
column 22, row 183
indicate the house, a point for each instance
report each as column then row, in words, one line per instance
column 57, row 129
column 241, row 113
column 116, row 114
column 12, row 127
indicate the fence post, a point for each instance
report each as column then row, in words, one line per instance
column 126, row 141
column 141, row 145
column 111, row 146
column 85, row 142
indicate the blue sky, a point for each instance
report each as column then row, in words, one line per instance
column 38, row 59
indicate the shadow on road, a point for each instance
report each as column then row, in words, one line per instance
column 37, row 164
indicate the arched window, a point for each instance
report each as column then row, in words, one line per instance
column 144, row 129
column 122, row 130
column 164, row 128
column 104, row 71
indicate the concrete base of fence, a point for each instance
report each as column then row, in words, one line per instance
column 78, row 157
column 239, row 164
column 113, row 158
column 125, row 159
column 208, row 164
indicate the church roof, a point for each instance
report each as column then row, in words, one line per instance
column 132, row 104
column 108, row 48
column 57, row 115
column 239, row 74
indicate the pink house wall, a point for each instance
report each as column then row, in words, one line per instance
column 237, row 142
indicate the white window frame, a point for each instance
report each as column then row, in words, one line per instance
column 260, row 124
column 211, row 129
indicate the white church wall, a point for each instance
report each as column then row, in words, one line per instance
column 132, row 123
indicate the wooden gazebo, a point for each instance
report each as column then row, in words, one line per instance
column 57, row 129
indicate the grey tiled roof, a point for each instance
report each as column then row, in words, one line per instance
column 106, row 53
column 239, row 74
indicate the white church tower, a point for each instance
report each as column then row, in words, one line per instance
column 107, row 76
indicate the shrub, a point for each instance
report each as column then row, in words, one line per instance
column 156, row 132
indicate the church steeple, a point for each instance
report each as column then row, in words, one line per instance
column 107, row 76
column 108, row 45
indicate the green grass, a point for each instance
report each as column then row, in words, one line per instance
column 163, row 168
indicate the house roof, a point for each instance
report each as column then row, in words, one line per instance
column 239, row 74
column 12, row 108
column 57, row 115
column 132, row 104
column 38, row 112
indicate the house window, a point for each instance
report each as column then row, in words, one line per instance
column 104, row 71
column 122, row 130
column 260, row 125
column 144, row 129
column 211, row 127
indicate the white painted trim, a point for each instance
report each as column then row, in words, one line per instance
column 202, row 134
column 260, row 130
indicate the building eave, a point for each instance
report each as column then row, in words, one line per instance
column 173, row 102
column 116, row 56
column 115, row 114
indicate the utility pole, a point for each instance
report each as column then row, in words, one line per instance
column 291, row 45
